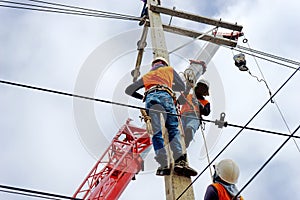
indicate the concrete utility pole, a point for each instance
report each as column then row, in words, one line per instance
column 174, row 184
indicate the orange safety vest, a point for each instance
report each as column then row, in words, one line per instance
column 160, row 76
column 190, row 107
column 222, row 192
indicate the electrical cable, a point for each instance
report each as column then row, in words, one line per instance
column 128, row 105
column 82, row 11
column 264, row 165
column 268, row 55
column 236, row 135
column 285, row 65
column 62, row 12
column 34, row 193
column 81, row 8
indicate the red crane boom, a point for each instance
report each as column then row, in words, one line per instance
column 117, row 166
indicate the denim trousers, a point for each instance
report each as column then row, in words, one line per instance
column 190, row 120
column 156, row 103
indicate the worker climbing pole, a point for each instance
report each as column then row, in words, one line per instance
column 157, row 92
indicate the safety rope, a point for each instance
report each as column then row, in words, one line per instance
column 206, row 151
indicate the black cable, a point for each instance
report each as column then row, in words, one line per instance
column 269, row 55
column 65, row 11
column 288, row 66
column 30, row 195
column 69, row 94
column 236, row 135
column 19, row 190
column 263, row 166
column 247, row 128
column 132, row 106
column 80, row 8
column 60, row 12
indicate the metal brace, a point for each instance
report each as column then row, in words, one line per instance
column 221, row 123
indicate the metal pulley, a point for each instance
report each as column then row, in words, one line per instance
column 240, row 62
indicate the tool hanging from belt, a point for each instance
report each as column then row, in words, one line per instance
column 160, row 88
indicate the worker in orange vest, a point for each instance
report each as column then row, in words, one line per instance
column 194, row 106
column 224, row 179
column 159, row 97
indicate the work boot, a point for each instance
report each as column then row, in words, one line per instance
column 182, row 168
column 243, row 68
column 163, row 171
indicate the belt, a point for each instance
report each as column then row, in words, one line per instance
column 157, row 88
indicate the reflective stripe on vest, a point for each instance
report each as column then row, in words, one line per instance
column 190, row 107
column 160, row 76
column 222, row 192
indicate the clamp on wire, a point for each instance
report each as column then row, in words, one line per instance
column 221, row 123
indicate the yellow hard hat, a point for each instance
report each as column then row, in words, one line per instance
column 228, row 171
column 161, row 59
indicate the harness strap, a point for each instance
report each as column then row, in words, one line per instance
column 160, row 88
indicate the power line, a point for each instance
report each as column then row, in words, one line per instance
column 236, row 135
column 268, row 55
column 66, row 10
column 263, row 58
column 263, row 131
column 263, row 166
column 131, row 106
column 81, row 8
column 34, row 193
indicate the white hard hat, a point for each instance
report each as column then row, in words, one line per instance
column 228, row 171
column 161, row 59
column 205, row 82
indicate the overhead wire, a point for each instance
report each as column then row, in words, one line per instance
column 34, row 193
column 257, row 56
column 66, row 10
column 81, row 8
column 127, row 105
column 268, row 55
column 265, row 164
column 259, row 110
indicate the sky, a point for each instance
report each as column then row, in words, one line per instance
column 50, row 142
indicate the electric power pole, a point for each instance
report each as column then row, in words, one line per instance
column 174, row 184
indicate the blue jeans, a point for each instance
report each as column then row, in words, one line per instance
column 189, row 121
column 157, row 102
